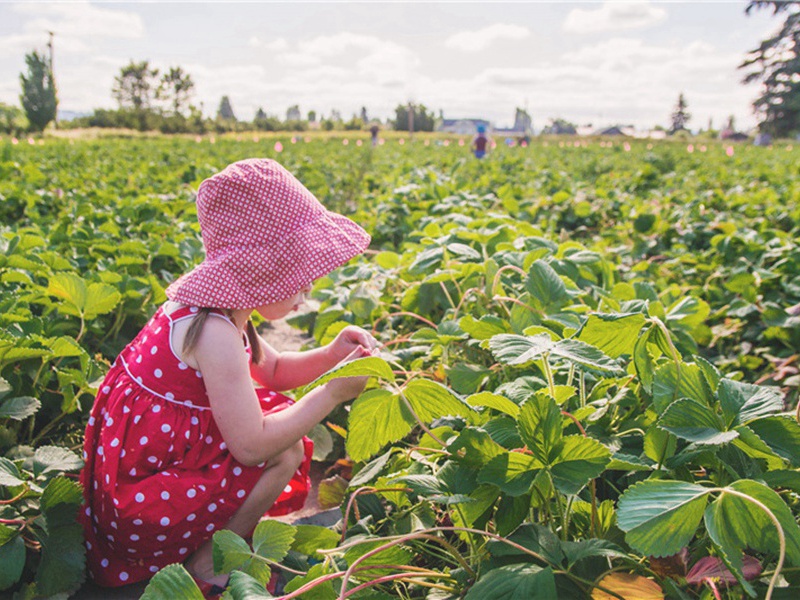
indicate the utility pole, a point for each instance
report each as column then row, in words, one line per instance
column 52, row 72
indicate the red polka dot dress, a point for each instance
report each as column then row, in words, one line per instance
column 159, row 480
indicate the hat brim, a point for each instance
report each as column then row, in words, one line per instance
column 252, row 276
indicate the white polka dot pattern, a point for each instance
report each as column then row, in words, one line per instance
column 266, row 237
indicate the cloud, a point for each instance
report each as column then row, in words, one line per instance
column 475, row 41
column 613, row 16
column 81, row 19
column 276, row 45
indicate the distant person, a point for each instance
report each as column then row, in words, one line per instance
column 374, row 133
column 480, row 142
column 180, row 442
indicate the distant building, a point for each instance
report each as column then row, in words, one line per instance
column 463, row 126
column 615, row 130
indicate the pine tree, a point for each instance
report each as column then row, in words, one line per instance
column 776, row 64
column 225, row 111
column 680, row 116
column 38, row 91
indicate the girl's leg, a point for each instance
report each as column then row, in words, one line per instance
column 276, row 475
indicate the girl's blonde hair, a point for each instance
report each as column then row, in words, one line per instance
column 193, row 334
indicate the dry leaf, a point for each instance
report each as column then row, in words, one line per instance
column 630, row 586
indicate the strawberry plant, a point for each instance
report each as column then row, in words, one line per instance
column 587, row 385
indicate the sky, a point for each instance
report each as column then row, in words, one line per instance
column 600, row 63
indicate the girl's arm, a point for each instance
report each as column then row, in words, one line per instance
column 288, row 370
column 251, row 436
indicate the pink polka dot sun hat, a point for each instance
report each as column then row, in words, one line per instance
column 266, row 237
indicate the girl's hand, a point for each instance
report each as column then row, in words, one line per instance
column 343, row 389
column 351, row 338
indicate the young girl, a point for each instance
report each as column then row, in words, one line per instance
column 180, row 443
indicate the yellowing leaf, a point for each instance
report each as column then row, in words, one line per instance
column 628, row 585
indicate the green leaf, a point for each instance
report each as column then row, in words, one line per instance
column 230, row 551
column 377, row 417
column 323, row 591
column 63, row 560
column 580, row 353
column 512, row 472
column 55, row 458
column 781, row 434
column 735, row 524
column 784, row 479
column 308, row 539
column 534, row 537
column 173, row 581
column 370, row 366
column 579, row 460
column 19, row 408
column 695, row 422
column 643, row 360
column 514, row 349
column 539, row 425
column 548, row 291
column 80, row 299
column 743, row 402
column 519, row 350
column 242, row 586
column 394, row 555
column 9, row 474
column 752, row 445
column 514, row 582
column 479, row 448
column 466, row 378
column 671, row 383
column 614, row 335
column 484, row 328
column 273, row 539
column 578, row 551
column 431, row 400
column 659, row 444
column 12, row 561
column 494, row 401
column 660, row 516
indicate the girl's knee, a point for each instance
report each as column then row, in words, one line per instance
column 291, row 458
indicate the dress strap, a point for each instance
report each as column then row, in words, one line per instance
column 189, row 311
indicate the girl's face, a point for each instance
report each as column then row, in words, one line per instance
column 278, row 310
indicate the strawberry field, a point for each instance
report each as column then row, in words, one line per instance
column 588, row 385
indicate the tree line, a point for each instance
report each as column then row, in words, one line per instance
column 149, row 100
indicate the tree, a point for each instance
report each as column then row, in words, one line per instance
column 293, row 113
column 364, row 115
column 135, row 86
column 776, row 64
column 38, row 96
column 176, row 87
column 260, row 115
column 680, row 116
column 12, row 119
column 420, row 116
column 225, row 110
column 312, row 116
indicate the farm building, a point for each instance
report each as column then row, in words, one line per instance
column 463, row 126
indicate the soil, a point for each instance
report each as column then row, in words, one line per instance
column 283, row 337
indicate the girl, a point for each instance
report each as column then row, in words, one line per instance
column 180, row 443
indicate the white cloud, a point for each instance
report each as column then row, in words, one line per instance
column 614, row 16
column 81, row 19
column 276, row 45
column 475, row 41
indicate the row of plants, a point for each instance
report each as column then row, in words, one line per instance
column 570, row 395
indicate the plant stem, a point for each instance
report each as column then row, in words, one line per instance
column 774, row 519
column 500, row 271
column 548, row 373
